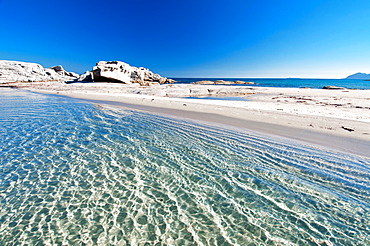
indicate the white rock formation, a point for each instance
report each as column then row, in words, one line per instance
column 117, row 71
column 113, row 71
column 86, row 77
column 11, row 71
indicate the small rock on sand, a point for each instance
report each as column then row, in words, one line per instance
column 331, row 87
column 243, row 82
column 204, row 82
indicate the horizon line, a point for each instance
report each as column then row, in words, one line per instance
column 204, row 77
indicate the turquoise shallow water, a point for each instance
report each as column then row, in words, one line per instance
column 74, row 173
column 291, row 82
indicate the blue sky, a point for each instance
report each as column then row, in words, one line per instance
column 193, row 38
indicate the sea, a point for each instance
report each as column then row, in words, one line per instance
column 289, row 82
column 79, row 173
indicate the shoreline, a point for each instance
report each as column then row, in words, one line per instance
column 341, row 143
column 313, row 116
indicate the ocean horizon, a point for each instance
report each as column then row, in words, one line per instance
column 77, row 173
column 289, row 82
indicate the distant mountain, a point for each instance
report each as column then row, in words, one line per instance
column 359, row 76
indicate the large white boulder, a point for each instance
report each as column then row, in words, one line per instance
column 117, row 71
column 11, row 71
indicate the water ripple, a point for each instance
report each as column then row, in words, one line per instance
column 72, row 173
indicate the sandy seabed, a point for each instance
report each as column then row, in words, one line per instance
column 338, row 119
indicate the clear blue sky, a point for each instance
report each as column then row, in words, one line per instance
column 192, row 38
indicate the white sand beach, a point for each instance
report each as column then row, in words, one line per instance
column 338, row 119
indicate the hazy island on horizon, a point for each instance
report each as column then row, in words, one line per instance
column 359, row 76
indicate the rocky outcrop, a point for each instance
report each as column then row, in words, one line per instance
column 117, row 71
column 332, row 87
column 12, row 71
column 204, row 82
column 222, row 82
column 113, row 71
column 238, row 82
column 85, row 77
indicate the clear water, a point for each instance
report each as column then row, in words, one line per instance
column 72, row 173
column 290, row 82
